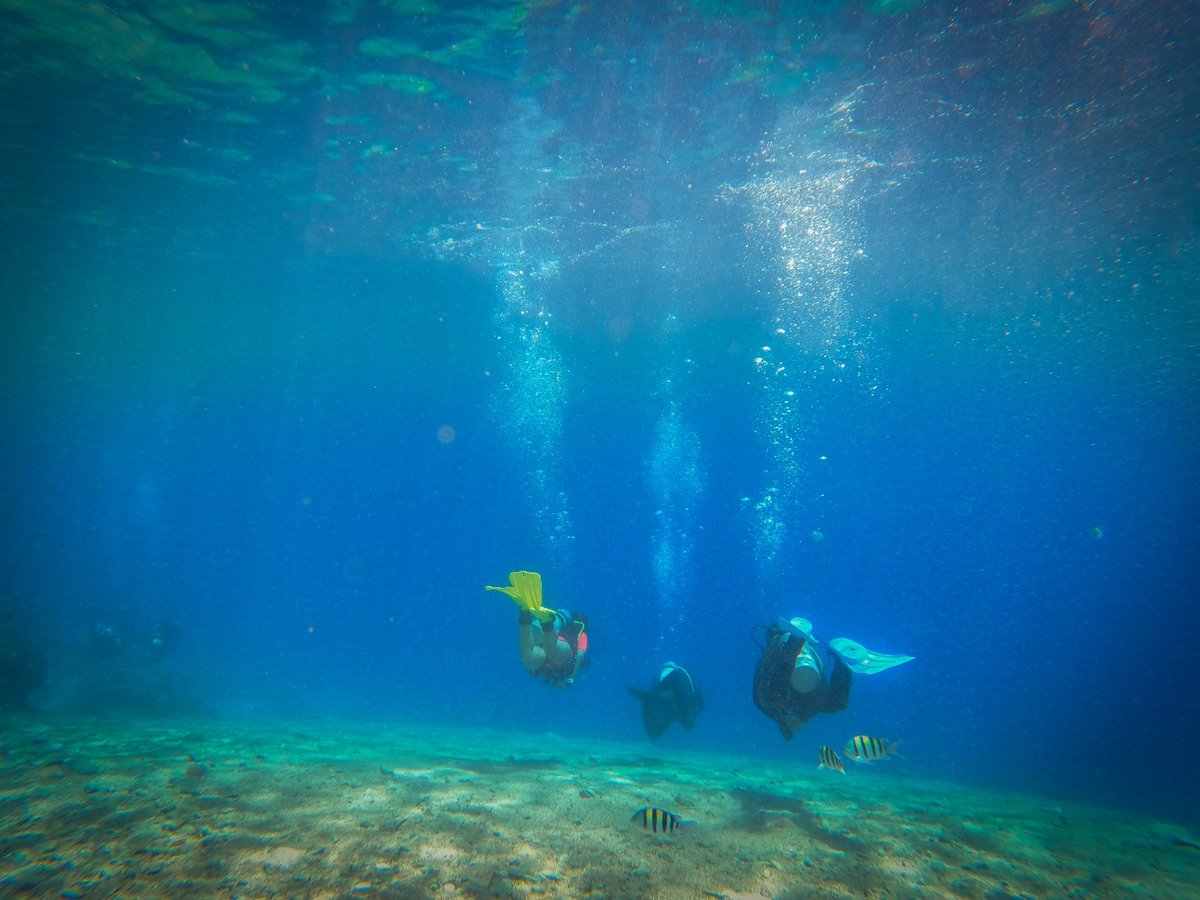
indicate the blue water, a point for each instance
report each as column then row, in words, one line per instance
column 880, row 314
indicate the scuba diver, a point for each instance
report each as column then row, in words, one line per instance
column 554, row 643
column 790, row 686
column 673, row 698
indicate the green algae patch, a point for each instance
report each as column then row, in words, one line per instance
column 206, row 56
column 413, row 85
column 389, row 48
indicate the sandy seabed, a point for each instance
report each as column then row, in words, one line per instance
column 218, row 809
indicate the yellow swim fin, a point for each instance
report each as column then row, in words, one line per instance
column 526, row 591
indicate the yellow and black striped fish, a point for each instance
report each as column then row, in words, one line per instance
column 830, row 760
column 659, row 821
column 863, row 748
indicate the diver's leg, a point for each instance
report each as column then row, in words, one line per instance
column 533, row 656
column 839, row 686
column 561, row 654
column 556, row 649
column 772, row 691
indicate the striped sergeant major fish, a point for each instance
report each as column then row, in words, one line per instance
column 863, row 748
column 658, row 821
column 830, row 760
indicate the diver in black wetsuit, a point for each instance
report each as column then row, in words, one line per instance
column 673, row 698
column 789, row 682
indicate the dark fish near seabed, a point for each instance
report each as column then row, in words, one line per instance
column 863, row 748
column 658, row 821
column 830, row 760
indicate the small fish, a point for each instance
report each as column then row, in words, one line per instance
column 659, row 821
column 862, row 748
column 830, row 760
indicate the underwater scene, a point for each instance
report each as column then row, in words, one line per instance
column 600, row 449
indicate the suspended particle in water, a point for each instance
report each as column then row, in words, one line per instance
column 446, row 434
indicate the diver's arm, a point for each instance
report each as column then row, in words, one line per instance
column 532, row 654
